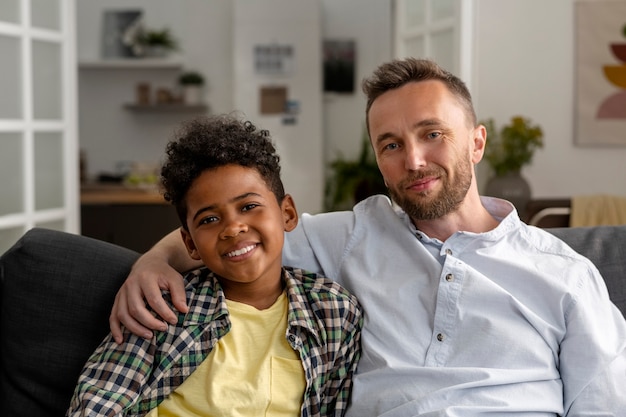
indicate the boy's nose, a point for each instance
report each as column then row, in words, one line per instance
column 232, row 228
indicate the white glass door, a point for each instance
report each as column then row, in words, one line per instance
column 437, row 29
column 38, row 142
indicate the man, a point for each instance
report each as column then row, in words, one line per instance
column 468, row 311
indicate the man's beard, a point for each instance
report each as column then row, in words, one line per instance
column 426, row 206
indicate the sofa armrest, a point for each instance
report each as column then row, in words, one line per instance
column 56, row 293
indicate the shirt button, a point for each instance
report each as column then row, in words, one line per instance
column 449, row 277
column 448, row 251
column 440, row 337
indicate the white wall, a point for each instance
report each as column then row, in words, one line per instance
column 204, row 27
column 297, row 24
column 524, row 64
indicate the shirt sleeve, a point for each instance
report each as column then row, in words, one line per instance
column 113, row 377
column 319, row 242
column 593, row 354
column 339, row 384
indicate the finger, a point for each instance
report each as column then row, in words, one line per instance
column 177, row 291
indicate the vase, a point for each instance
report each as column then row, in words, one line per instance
column 512, row 187
column 192, row 95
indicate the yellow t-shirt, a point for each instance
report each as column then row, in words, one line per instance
column 252, row 371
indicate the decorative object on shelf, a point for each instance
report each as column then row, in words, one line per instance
column 507, row 151
column 143, row 93
column 353, row 180
column 119, row 30
column 155, row 43
column 191, row 83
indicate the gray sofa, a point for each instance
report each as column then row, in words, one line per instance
column 56, row 291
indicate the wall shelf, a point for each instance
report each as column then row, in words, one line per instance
column 130, row 63
column 166, row 108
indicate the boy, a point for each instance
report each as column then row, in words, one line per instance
column 259, row 338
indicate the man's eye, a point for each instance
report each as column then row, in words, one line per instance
column 390, row 146
column 433, row 135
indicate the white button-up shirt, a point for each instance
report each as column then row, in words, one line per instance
column 503, row 322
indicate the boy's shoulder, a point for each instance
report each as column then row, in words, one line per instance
column 317, row 288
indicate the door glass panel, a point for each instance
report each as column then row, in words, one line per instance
column 443, row 9
column 54, row 225
column 47, row 86
column 444, row 50
column 11, row 79
column 9, row 236
column 10, row 11
column 45, row 14
column 414, row 13
column 415, row 47
column 49, row 191
column 11, row 172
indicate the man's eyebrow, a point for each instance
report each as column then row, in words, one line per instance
column 232, row 200
column 421, row 123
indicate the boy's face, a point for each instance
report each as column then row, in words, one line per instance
column 236, row 226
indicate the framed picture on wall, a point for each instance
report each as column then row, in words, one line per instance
column 119, row 31
column 600, row 73
column 339, row 66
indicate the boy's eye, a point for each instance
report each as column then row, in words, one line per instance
column 249, row 206
column 208, row 219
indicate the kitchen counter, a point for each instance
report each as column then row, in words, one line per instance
column 133, row 217
column 103, row 193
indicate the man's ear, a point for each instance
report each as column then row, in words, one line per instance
column 290, row 214
column 191, row 246
column 479, row 142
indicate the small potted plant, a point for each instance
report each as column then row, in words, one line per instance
column 507, row 151
column 157, row 43
column 191, row 83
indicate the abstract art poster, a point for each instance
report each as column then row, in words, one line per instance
column 600, row 73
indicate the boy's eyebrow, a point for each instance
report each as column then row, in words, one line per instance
column 232, row 200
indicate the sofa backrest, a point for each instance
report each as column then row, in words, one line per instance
column 57, row 289
column 605, row 246
column 56, row 293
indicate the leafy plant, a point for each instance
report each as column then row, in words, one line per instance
column 191, row 78
column 513, row 146
column 353, row 180
column 158, row 38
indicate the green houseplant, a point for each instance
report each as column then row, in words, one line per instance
column 353, row 180
column 157, row 42
column 191, row 78
column 507, row 150
column 191, row 83
column 513, row 146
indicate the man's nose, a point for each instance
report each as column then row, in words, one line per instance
column 414, row 157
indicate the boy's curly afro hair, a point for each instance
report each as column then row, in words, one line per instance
column 211, row 142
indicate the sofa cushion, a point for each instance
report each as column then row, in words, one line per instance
column 605, row 246
column 56, row 294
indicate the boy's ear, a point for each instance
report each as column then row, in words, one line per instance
column 191, row 246
column 290, row 214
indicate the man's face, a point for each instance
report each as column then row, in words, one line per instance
column 425, row 148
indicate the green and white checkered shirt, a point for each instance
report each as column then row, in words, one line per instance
column 324, row 327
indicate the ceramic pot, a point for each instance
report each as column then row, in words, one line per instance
column 192, row 94
column 512, row 187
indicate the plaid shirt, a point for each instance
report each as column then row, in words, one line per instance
column 324, row 325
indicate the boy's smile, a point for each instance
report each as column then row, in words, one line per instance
column 236, row 227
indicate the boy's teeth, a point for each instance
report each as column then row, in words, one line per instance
column 240, row 251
